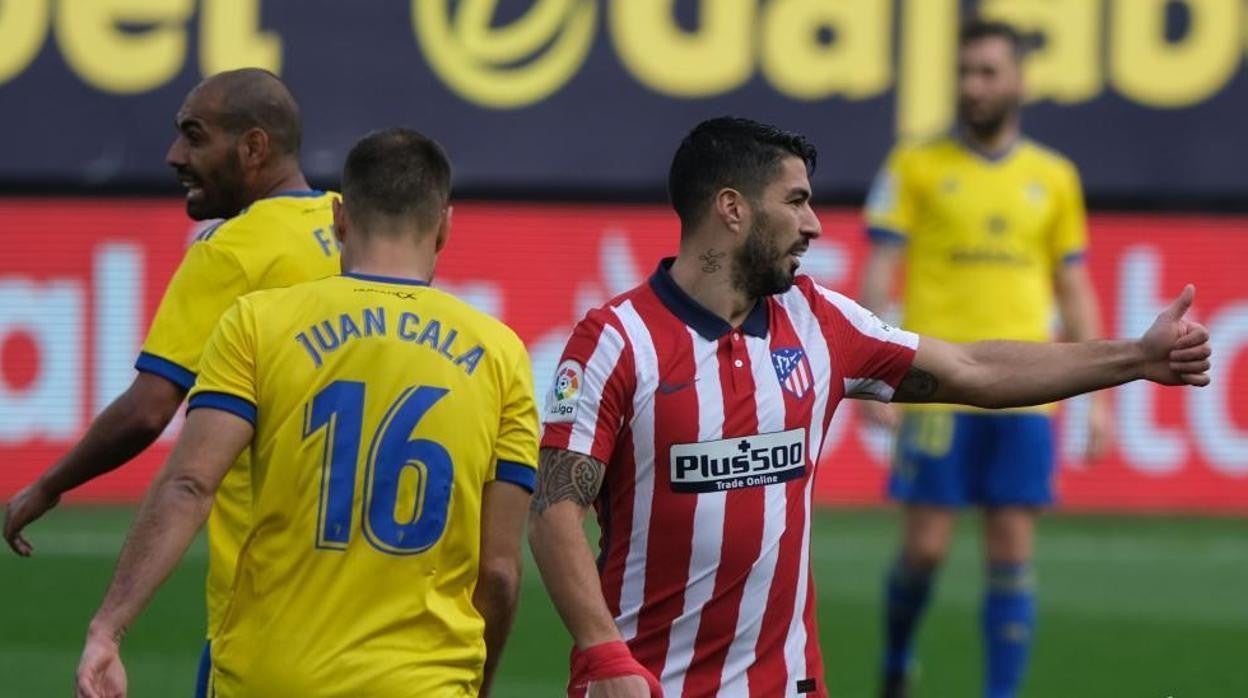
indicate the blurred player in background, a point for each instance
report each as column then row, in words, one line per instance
column 237, row 155
column 394, row 432
column 990, row 228
column 690, row 413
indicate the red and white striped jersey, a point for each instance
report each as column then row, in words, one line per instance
column 710, row 435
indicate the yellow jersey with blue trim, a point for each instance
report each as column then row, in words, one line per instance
column 381, row 409
column 281, row 240
column 984, row 236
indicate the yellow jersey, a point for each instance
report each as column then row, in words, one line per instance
column 277, row 241
column 984, row 236
column 381, row 409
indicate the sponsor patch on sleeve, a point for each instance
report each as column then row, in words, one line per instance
column 565, row 393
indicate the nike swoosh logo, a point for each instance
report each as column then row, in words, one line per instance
column 669, row 388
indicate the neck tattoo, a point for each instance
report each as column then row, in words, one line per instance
column 711, row 260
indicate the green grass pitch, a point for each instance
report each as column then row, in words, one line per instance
column 1129, row 606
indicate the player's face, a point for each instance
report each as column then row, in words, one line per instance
column 781, row 228
column 990, row 85
column 206, row 159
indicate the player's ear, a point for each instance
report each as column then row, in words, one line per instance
column 341, row 222
column 444, row 229
column 731, row 208
column 253, row 148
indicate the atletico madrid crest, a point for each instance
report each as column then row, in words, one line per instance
column 793, row 371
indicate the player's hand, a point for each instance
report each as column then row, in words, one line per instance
column 1100, row 429
column 29, row 504
column 1176, row 350
column 100, row 672
column 620, row 687
column 880, row 414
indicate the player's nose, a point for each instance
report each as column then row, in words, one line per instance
column 176, row 155
column 811, row 228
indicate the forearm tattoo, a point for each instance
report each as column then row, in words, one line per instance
column 917, row 386
column 566, row 476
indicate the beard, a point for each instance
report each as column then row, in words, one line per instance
column 221, row 191
column 760, row 268
column 988, row 122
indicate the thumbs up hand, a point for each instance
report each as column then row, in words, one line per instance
column 1176, row 350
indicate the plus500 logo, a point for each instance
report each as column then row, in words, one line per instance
column 753, row 461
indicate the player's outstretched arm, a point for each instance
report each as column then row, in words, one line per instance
column 122, row 431
column 567, row 484
column 503, row 510
column 176, row 506
column 995, row 374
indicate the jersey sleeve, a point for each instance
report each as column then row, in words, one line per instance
column 890, row 203
column 515, row 451
column 227, row 377
column 591, row 395
column 206, row 283
column 1069, row 239
column 872, row 357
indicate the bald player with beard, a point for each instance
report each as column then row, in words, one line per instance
column 237, row 155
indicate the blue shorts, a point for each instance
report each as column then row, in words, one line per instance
column 950, row 458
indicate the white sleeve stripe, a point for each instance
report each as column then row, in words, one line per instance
column 866, row 323
column 598, row 371
column 868, row 388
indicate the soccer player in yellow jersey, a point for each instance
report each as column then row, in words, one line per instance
column 394, row 438
column 237, row 154
column 990, row 229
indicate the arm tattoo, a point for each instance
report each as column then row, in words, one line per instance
column 566, row 475
column 917, row 386
column 710, row 260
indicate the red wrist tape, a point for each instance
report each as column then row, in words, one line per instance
column 608, row 660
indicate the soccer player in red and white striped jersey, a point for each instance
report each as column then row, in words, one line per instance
column 690, row 413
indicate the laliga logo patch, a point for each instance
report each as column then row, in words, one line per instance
column 793, row 371
column 564, row 394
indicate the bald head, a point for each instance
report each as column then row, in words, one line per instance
column 238, row 141
column 254, row 98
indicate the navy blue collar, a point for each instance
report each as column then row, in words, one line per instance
column 297, row 193
column 690, row 312
column 289, row 193
column 384, row 279
column 993, row 157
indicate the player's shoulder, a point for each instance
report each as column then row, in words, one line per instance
column 491, row 329
column 1048, row 158
column 925, row 149
column 814, row 294
column 609, row 313
column 290, row 204
column 282, row 212
column 281, row 299
column 808, row 296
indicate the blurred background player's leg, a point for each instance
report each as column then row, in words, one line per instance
column 928, row 533
column 931, row 476
column 1017, row 483
column 1008, row 613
